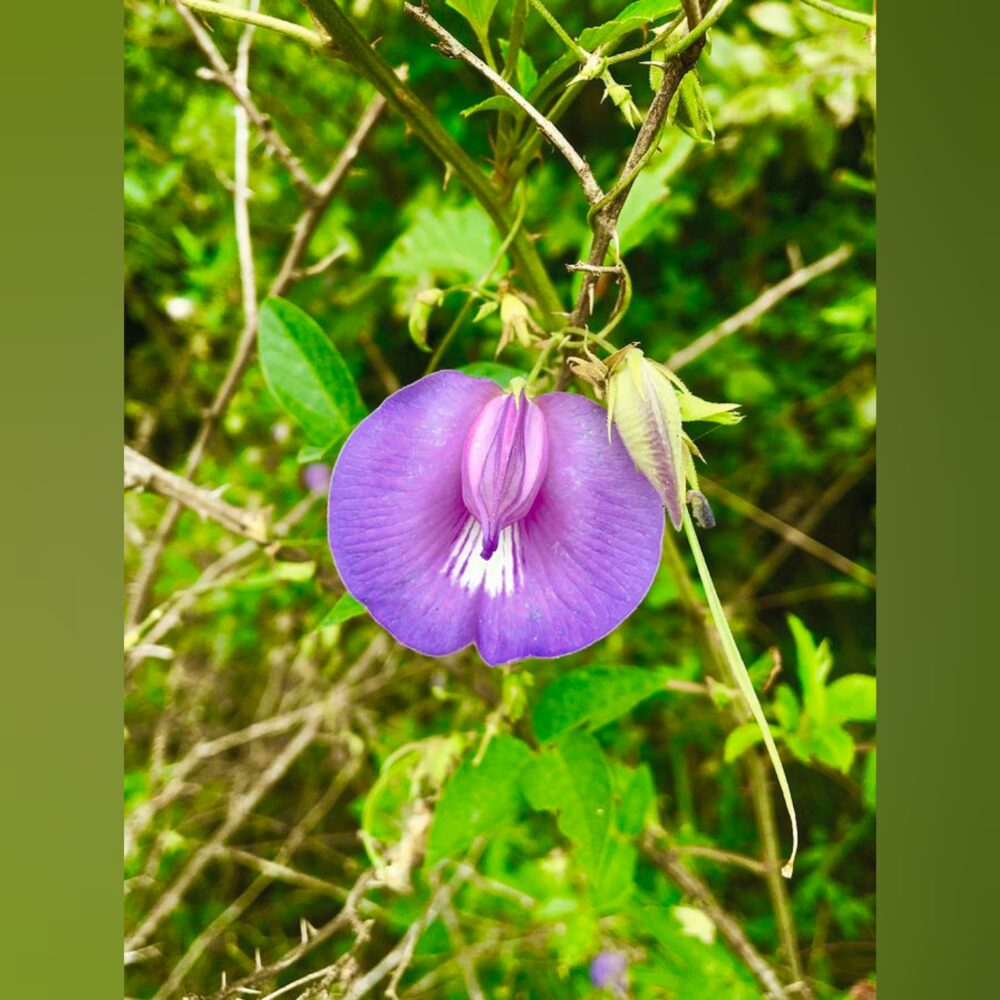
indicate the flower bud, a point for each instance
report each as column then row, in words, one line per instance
column 514, row 319
column 701, row 509
column 504, row 461
column 420, row 314
column 642, row 402
column 622, row 99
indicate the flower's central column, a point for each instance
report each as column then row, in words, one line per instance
column 504, row 462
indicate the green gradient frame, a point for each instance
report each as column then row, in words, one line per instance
column 61, row 274
column 939, row 823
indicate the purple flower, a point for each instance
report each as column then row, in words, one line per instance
column 608, row 971
column 462, row 514
column 316, row 477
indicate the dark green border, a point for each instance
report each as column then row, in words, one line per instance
column 939, row 825
column 60, row 271
column 939, row 679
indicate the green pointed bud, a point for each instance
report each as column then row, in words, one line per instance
column 514, row 318
column 420, row 315
column 693, row 408
column 622, row 99
column 643, row 405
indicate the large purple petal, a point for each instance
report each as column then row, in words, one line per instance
column 406, row 546
column 587, row 553
column 396, row 510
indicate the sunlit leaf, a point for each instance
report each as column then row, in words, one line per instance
column 476, row 12
column 851, row 699
column 478, row 798
column 593, row 697
column 344, row 609
column 306, row 373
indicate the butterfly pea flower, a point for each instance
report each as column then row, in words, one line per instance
column 609, row 971
column 464, row 514
column 648, row 404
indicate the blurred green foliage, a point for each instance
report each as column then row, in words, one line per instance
column 541, row 787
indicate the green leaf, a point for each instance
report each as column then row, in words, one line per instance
column 832, row 745
column 476, row 12
column 451, row 243
column 478, row 799
column 527, row 75
column 498, row 102
column 294, row 572
column 813, row 664
column 868, row 781
column 741, row 739
column 786, row 707
column 635, row 16
column 774, row 18
column 309, row 453
column 637, row 801
column 851, row 699
column 643, row 210
column 500, row 374
column 594, row 696
column 689, row 111
column 307, row 374
column 572, row 779
column 346, row 607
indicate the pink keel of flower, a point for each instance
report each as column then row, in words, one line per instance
column 503, row 464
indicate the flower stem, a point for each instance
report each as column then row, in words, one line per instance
column 854, row 16
column 741, row 678
column 581, row 53
column 297, row 31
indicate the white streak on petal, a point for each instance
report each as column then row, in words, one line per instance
column 503, row 573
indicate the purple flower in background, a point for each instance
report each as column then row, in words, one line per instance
column 460, row 513
column 608, row 971
column 316, row 477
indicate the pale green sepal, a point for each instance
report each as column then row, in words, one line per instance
column 694, row 408
column 648, row 417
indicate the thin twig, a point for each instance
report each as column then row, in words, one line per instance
column 830, row 497
column 312, row 38
column 854, row 16
column 166, row 616
column 465, row 963
column 733, row 934
column 793, row 535
column 238, row 811
column 222, row 74
column 239, row 905
column 604, row 221
column 347, row 915
column 143, row 473
column 763, row 303
column 722, row 857
column 454, row 49
column 400, row 956
column 426, row 127
column 303, row 232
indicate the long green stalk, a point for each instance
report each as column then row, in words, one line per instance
column 741, row 678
